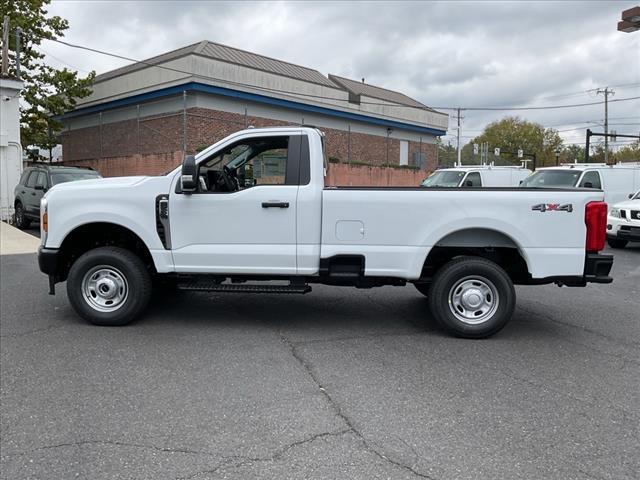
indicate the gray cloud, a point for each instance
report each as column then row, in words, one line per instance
column 443, row 54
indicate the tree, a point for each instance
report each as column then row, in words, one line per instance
column 572, row 153
column 47, row 91
column 512, row 133
column 628, row 153
column 447, row 155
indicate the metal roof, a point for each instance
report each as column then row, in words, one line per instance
column 227, row 54
column 361, row 88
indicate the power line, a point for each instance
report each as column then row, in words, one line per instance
column 298, row 94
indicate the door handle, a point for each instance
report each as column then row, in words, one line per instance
column 275, row 204
column 33, row 193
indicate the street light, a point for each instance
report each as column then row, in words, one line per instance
column 630, row 20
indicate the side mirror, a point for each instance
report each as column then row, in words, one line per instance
column 189, row 180
column 38, row 187
column 630, row 195
column 520, row 182
column 588, row 185
column 468, row 183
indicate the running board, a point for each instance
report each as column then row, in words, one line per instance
column 242, row 288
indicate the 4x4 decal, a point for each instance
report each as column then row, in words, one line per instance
column 553, row 207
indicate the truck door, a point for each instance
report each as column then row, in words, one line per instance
column 242, row 218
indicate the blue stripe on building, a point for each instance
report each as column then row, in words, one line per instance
column 227, row 92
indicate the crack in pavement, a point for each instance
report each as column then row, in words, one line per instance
column 31, row 332
column 244, row 460
column 115, row 443
column 348, row 422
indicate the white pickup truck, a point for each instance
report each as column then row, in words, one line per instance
column 253, row 210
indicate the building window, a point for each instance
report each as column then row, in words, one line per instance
column 404, row 152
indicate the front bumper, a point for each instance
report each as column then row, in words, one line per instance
column 623, row 229
column 49, row 262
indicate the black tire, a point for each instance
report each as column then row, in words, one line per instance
column 617, row 242
column 20, row 219
column 483, row 282
column 125, row 272
column 423, row 288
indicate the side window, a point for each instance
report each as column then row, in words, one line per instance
column 592, row 178
column 249, row 163
column 31, row 181
column 23, row 178
column 42, row 179
column 473, row 180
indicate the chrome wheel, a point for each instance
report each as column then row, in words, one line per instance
column 105, row 288
column 473, row 300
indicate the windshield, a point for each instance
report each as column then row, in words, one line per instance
column 552, row 179
column 444, row 178
column 57, row 178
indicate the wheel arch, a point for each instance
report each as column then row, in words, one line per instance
column 92, row 235
column 489, row 243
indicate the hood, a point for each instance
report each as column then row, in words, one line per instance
column 99, row 183
column 628, row 204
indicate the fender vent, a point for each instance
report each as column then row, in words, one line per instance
column 162, row 220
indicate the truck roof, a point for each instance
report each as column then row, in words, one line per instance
column 466, row 168
column 590, row 166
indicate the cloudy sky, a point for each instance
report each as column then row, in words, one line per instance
column 498, row 54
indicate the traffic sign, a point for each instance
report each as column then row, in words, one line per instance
column 496, row 152
column 520, row 153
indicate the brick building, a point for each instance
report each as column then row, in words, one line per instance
column 141, row 118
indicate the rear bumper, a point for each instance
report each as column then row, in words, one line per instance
column 597, row 268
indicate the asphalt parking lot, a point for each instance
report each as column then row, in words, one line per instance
column 340, row 383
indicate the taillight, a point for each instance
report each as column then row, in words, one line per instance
column 595, row 217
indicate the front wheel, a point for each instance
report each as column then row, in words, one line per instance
column 472, row 297
column 108, row 286
column 617, row 243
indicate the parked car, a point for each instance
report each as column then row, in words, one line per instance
column 615, row 180
column 623, row 222
column 35, row 182
column 477, row 176
column 230, row 218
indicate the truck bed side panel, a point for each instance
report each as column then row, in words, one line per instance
column 400, row 226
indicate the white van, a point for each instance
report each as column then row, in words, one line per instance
column 617, row 181
column 477, row 176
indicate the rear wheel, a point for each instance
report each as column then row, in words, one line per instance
column 617, row 243
column 20, row 219
column 108, row 286
column 472, row 297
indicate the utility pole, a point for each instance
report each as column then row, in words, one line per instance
column 459, row 149
column 606, row 92
column 5, row 46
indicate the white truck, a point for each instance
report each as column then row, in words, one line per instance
column 616, row 181
column 623, row 222
column 253, row 209
column 477, row 176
